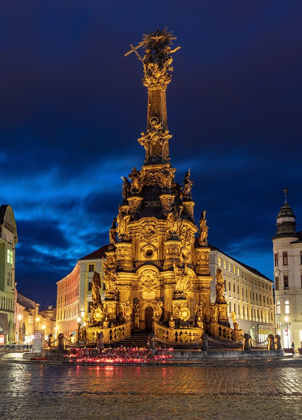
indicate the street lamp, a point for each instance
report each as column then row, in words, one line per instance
column 286, row 320
column 19, row 329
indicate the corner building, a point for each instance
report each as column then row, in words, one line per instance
column 287, row 248
column 8, row 241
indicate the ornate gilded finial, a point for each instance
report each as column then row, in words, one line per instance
column 157, row 59
column 285, row 193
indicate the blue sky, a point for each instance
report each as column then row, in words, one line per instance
column 72, row 108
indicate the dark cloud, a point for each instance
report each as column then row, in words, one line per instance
column 72, row 108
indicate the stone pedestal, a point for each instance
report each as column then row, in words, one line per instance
column 110, row 309
column 172, row 251
column 124, row 256
column 189, row 206
column 181, row 309
column 167, row 201
column 202, row 266
column 223, row 314
column 134, row 203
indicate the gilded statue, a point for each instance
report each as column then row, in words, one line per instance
column 109, row 264
column 126, row 188
column 203, row 230
column 112, row 232
column 183, row 280
column 158, row 57
column 158, row 309
column 220, row 298
column 155, row 140
column 96, row 285
column 187, row 189
column 136, row 184
column 109, row 280
column 172, row 223
column 214, row 312
column 122, row 220
column 234, row 317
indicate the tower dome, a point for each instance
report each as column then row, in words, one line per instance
column 286, row 220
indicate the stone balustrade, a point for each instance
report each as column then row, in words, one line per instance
column 118, row 333
column 176, row 335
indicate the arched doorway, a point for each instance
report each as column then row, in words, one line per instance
column 148, row 318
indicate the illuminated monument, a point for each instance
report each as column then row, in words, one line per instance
column 157, row 274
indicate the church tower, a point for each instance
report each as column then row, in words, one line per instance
column 157, row 274
column 287, row 246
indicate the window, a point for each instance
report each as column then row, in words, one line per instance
column 238, row 290
column 229, row 266
column 234, row 307
column 301, row 281
column 234, row 269
column 287, row 306
column 285, row 279
column 243, row 310
column 229, row 285
column 234, row 288
column 301, row 257
column 276, row 259
column 224, row 264
column 237, row 271
column 10, row 258
column 219, row 261
column 285, row 258
column 89, row 286
column 246, row 293
column 238, row 310
column 91, row 268
column 230, row 307
column 277, row 283
column 9, row 278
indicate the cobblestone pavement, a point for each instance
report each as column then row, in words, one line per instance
column 29, row 391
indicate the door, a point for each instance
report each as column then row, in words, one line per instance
column 148, row 319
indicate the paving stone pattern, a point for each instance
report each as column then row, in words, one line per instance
column 30, row 391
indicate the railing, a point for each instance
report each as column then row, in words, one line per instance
column 176, row 335
column 226, row 333
column 111, row 335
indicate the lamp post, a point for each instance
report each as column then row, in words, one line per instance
column 286, row 335
column 19, row 327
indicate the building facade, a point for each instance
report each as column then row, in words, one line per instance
column 28, row 320
column 74, row 292
column 287, row 248
column 8, row 241
column 249, row 295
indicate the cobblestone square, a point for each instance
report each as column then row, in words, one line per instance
column 30, row 391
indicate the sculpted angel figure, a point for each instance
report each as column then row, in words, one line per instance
column 182, row 279
column 187, row 185
column 122, row 220
column 203, row 229
column 136, row 185
column 198, row 310
column 96, row 284
column 158, row 309
column 126, row 187
column 110, row 285
column 220, row 298
column 172, row 222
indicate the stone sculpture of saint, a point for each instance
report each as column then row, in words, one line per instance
column 136, row 185
column 126, row 188
column 122, row 220
column 203, row 230
column 182, row 280
column 220, row 298
column 112, row 232
column 95, row 292
column 187, row 185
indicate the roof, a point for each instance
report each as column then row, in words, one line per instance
column 25, row 301
column 98, row 254
column 253, row 270
column 299, row 240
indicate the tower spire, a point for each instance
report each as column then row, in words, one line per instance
column 157, row 68
column 285, row 194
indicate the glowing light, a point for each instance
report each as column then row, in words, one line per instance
column 79, row 319
column 20, row 317
column 286, row 319
column 43, row 327
column 37, row 319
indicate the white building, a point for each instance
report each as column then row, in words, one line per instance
column 287, row 246
column 249, row 294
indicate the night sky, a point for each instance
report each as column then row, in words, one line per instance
column 72, row 107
